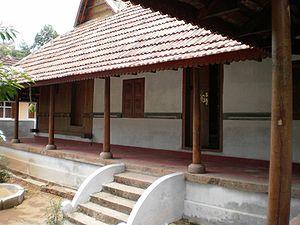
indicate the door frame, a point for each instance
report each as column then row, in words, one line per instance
column 221, row 84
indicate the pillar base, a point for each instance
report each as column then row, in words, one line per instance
column 196, row 168
column 106, row 155
column 15, row 141
column 50, row 147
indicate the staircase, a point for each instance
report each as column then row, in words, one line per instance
column 114, row 203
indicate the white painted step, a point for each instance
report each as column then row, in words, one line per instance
column 124, row 191
column 135, row 179
column 113, row 202
column 103, row 214
column 82, row 219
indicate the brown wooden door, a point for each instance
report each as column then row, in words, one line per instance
column 77, row 103
column 209, row 106
column 203, row 73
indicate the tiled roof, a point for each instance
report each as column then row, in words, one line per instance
column 125, row 43
column 8, row 60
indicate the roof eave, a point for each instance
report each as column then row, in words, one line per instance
column 221, row 58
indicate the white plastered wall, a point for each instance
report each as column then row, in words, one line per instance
column 247, row 89
column 163, row 94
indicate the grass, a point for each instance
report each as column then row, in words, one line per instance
column 54, row 214
column 4, row 173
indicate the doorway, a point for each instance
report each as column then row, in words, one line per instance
column 211, row 78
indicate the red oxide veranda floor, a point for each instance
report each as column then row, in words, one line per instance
column 232, row 168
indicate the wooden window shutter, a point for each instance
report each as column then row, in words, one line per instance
column 139, row 96
column 133, row 98
column 128, row 98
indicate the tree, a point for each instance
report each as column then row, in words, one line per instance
column 25, row 49
column 46, row 34
column 10, row 78
column 8, row 49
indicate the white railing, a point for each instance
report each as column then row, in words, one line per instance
column 92, row 184
column 161, row 203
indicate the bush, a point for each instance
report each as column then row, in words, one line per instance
column 3, row 162
column 54, row 214
column 4, row 176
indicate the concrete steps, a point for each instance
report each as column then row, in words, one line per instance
column 82, row 219
column 124, row 191
column 102, row 213
column 135, row 179
column 114, row 203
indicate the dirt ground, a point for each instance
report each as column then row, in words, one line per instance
column 32, row 211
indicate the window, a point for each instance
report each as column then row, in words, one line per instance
column 133, row 98
column 6, row 110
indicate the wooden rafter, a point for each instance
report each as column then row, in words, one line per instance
column 237, row 19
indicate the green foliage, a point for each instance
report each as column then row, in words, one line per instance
column 32, row 107
column 7, row 33
column 46, row 34
column 4, row 174
column 10, row 79
column 25, row 49
column 54, row 214
column 7, row 49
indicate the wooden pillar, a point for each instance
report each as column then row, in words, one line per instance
column 196, row 166
column 281, row 126
column 106, row 154
column 16, row 125
column 51, row 145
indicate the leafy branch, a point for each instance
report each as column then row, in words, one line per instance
column 10, row 81
column 7, row 33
